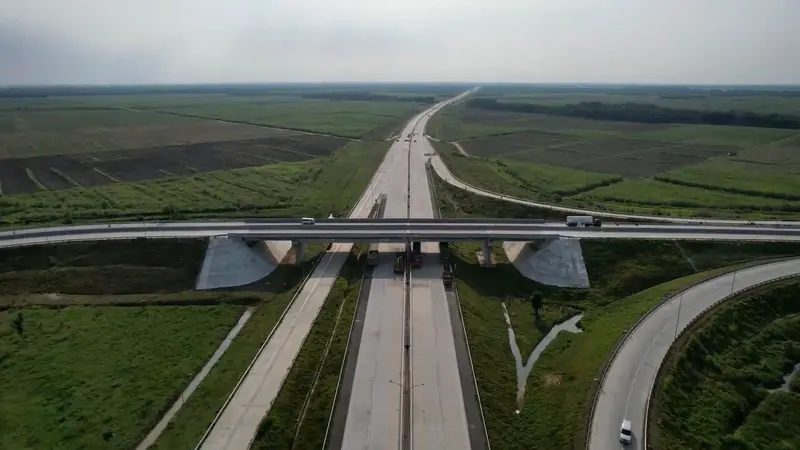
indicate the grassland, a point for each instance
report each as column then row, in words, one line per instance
column 696, row 99
column 133, row 302
column 715, row 390
column 669, row 169
column 318, row 187
column 298, row 418
column 628, row 279
column 58, row 392
column 188, row 426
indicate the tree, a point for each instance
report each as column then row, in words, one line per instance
column 536, row 299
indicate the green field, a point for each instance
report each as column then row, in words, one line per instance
column 772, row 103
column 59, row 392
column 668, row 169
column 298, row 418
column 188, row 426
column 628, row 279
column 718, row 380
column 317, row 187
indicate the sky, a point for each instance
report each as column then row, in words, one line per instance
column 537, row 41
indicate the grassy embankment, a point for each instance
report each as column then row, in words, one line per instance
column 314, row 188
column 664, row 169
column 715, row 390
column 298, row 418
column 628, row 278
column 78, row 301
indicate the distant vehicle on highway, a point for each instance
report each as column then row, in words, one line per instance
column 625, row 433
column 583, row 221
column 307, row 221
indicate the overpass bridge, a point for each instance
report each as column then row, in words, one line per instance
column 396, row 230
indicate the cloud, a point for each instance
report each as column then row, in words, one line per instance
column 152, row 41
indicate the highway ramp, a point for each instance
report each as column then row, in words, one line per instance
column 626, row 387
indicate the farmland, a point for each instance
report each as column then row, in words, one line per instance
column 650, row 168
column 314, row 187
column 58, row 140
column 722, row 383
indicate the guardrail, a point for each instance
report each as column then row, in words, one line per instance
column 687, row 329
column 632, row 329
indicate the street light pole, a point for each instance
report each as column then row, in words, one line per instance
column 678, row 319
column 733, row 283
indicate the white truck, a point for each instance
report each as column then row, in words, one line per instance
column 583, row 221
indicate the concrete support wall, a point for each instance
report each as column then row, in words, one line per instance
column 231, row 262
column 487, row 253
column 299, row 250
column 556, row 262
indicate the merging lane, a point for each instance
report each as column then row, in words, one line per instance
column 626, row 386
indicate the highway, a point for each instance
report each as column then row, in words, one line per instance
column 397, row 231
column 236, row 424
column 375, row 416
column 437, row 403
column 627, row 384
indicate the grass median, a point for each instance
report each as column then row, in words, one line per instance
column 298, row 418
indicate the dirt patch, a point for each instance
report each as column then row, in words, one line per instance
column 552, row 379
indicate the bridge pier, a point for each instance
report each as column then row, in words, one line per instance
column 299, row 248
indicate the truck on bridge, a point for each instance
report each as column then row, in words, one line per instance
column 583, row 221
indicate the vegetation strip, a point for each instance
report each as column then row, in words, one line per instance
column 99, row 373
column 727, row 368
column 192, row 421
column 201, row 375
column 293, row 423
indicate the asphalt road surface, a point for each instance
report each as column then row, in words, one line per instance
column 626, row 387
column 437, row 401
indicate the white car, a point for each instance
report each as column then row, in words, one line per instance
column 307, row 221
column 625, row 433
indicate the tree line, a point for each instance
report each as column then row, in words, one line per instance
column 643, row 113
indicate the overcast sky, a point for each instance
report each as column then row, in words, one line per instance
column 605, row 41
